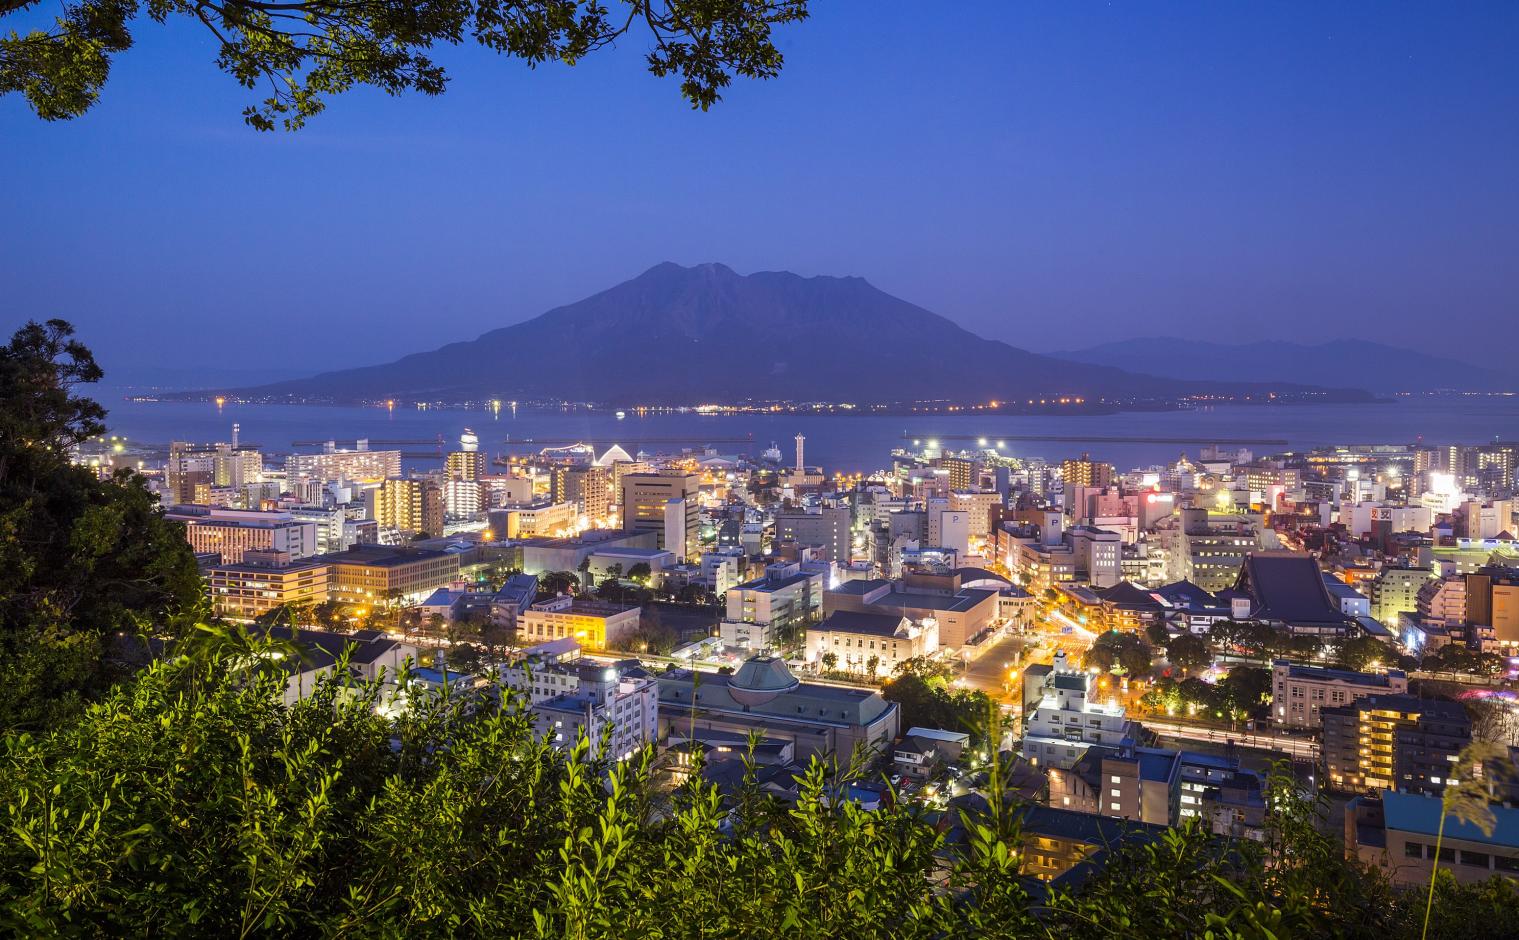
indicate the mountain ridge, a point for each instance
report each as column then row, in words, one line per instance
column 688, row 335
column 1346, row 361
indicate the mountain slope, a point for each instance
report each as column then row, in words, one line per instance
column 677, row 335
column 1344, row 362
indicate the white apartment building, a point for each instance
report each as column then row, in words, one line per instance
column 720, row 570
column 1097, row 553
column 619, row 704
column 1068, row 719
column 787, row 598
column 332, row 532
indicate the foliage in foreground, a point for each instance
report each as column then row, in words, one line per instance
column 192, row 802
column 302, row 51
column 81, row 557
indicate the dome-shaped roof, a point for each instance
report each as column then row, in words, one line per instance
column 760, row 679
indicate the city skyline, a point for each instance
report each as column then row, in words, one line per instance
column 1241, row 174
column 1005, row 470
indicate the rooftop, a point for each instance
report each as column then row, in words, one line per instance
column 859, row 587
column 1288, row 587
column 939, row 734
column 1326, row 674
column 1410, row 812
column 322, row 649
column 631, row 551
column 848, row 621
column 965, row 599
column 382, row 556
column 776, row 584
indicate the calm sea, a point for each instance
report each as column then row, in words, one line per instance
column 838, row 443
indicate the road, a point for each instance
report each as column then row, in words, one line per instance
column 989, row 670
column 1265, row 740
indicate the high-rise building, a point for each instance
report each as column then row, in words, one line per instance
column 962, row 472
column 462, row 499
column 1395, row 590
column 1393, row 742
column 588, row 488
column 646, row 507
column 408, row 506
column 465, row 465
column 829, row 527
column 1085, row 471
column 1492, row 600
column 221, row 465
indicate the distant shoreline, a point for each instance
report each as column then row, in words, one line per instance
column 1055, row 407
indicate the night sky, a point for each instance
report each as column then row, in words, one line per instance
column 1054, row 174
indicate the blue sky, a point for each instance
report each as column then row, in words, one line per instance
column 1051, row 174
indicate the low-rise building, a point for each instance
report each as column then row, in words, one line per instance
column 231, row 532
column 720, row 570
column 379, row 574
column 265, row 581
column 1352, row 602
column 1287, row 590
column 369, row 655
column 764, row 696
column 1164, row 787
column 535, row 520
column 1398, row 833
column 515, row 595
column 1056, row 840
column 745, row 637
column 620, row 560
column 542, row 555
column 787, row 600
column 593, row 624
column 1300, row 693
column 870, row 643
column 960, row 612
